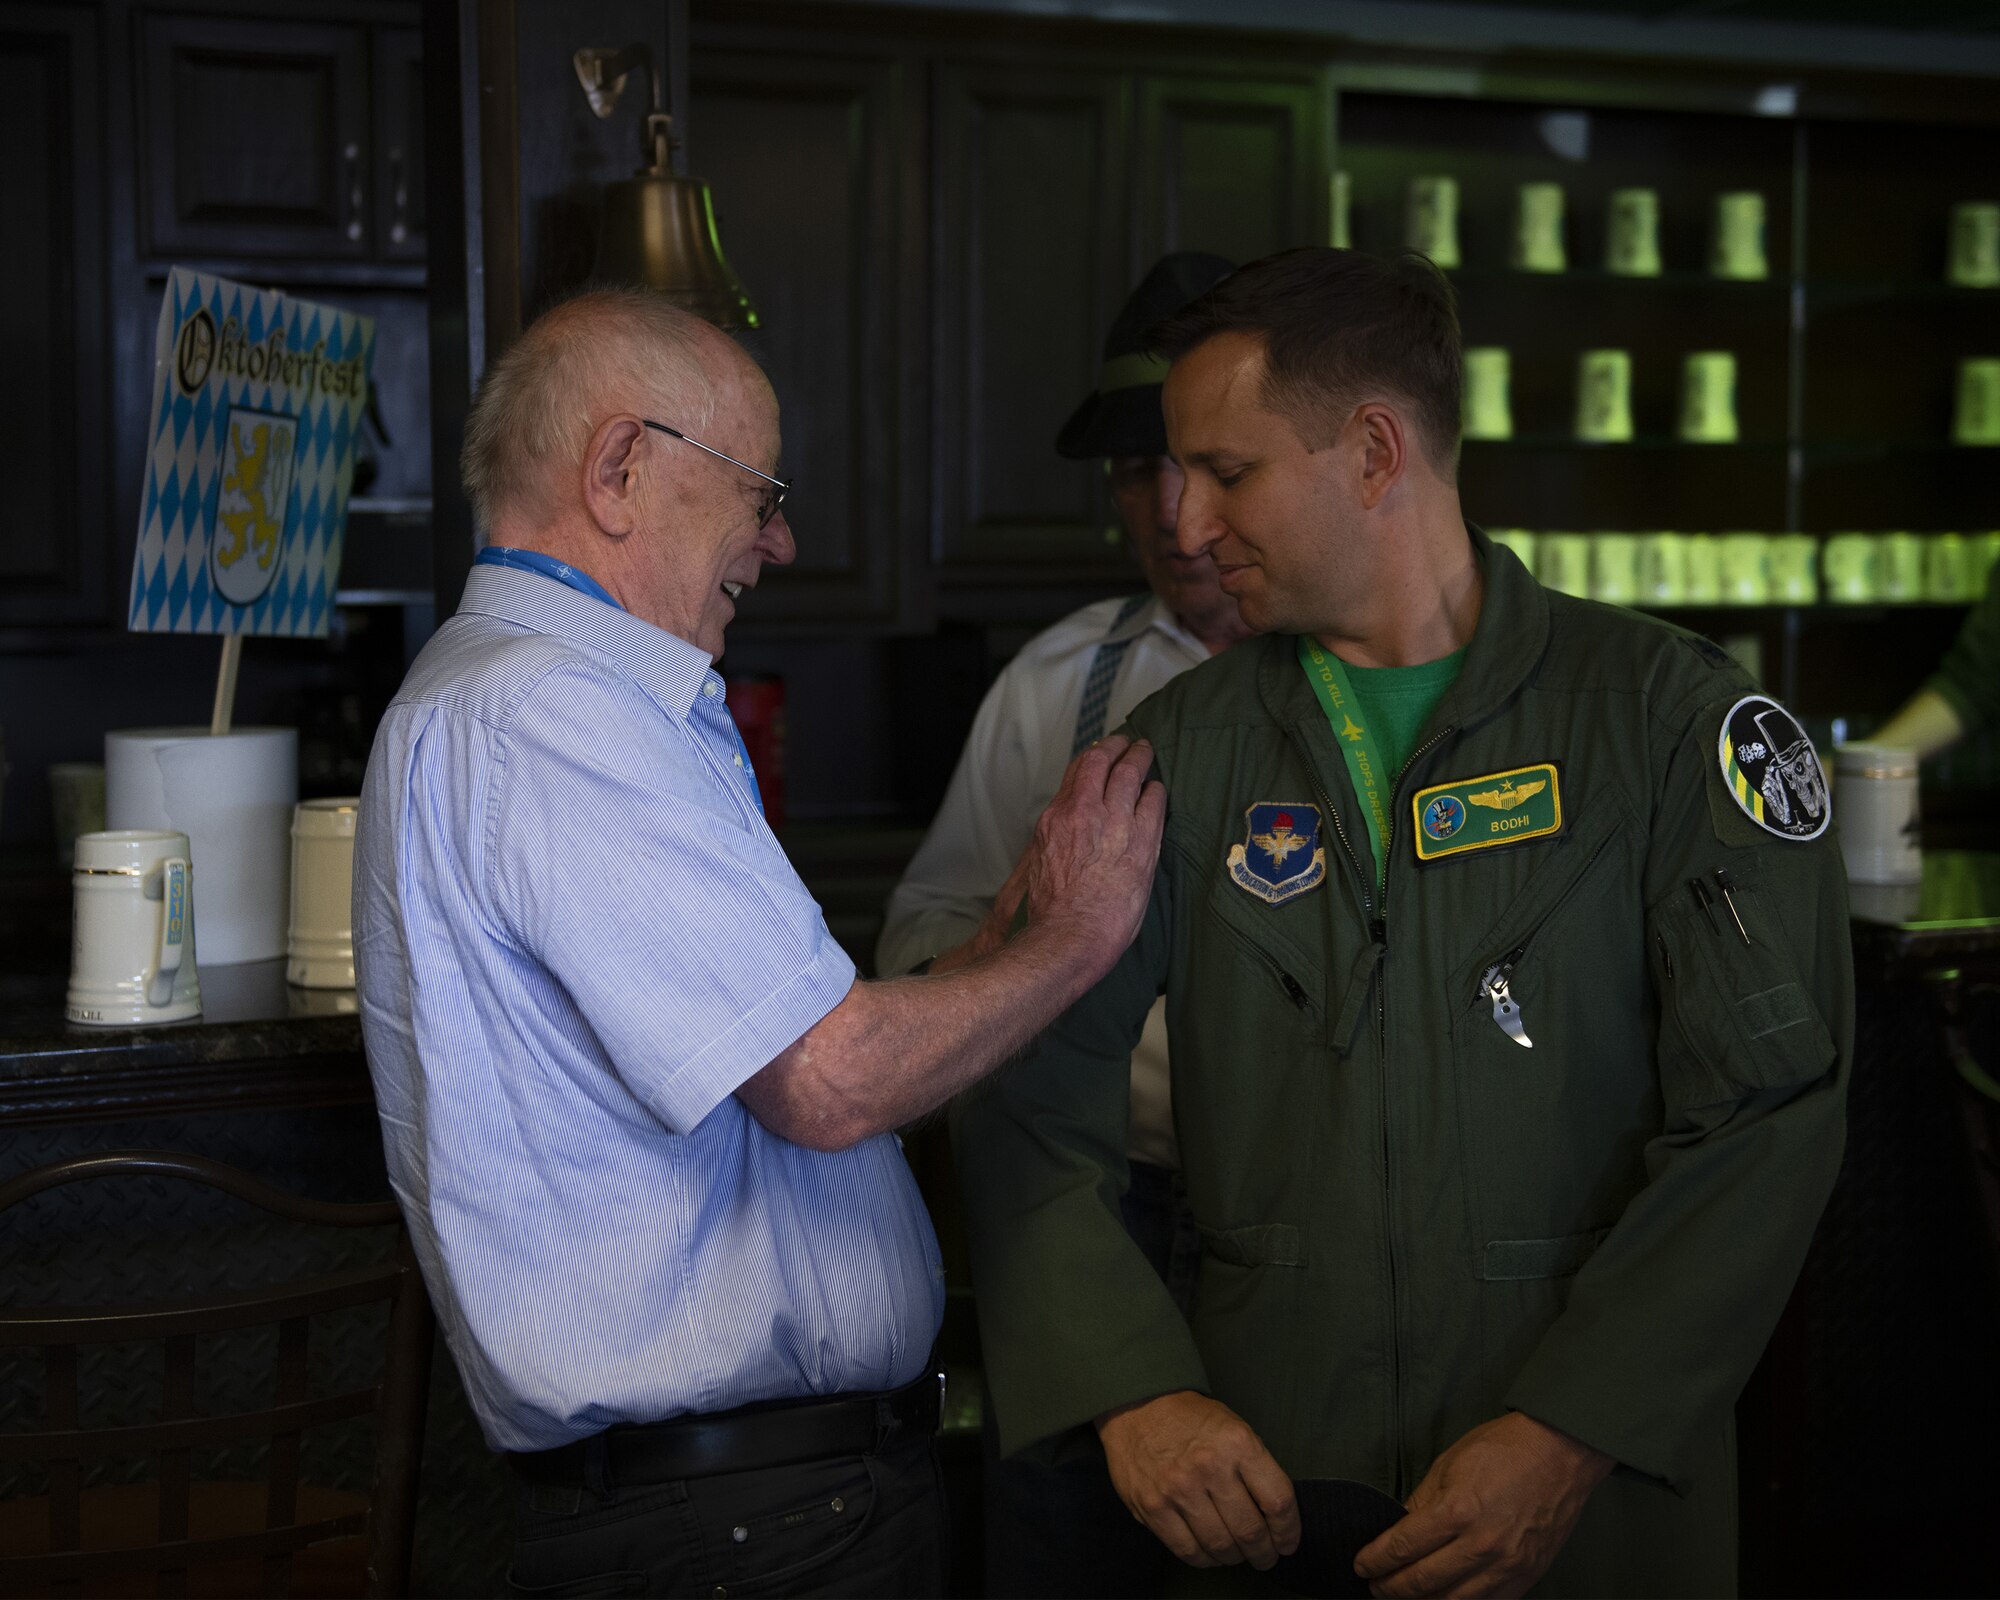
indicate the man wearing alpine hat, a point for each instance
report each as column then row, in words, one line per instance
column 1508, row 985
column 1054, row 1524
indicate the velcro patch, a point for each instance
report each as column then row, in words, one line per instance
column 1771, row 770
column 1493, row 809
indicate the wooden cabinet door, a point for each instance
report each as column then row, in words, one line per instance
column 806, row 157
column 1237, row 168
column 55, row 448
column 257, row 138
column 399, row 144
column 1033, row 259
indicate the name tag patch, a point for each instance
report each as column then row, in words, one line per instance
column 1281, row 855
column 1494, row 809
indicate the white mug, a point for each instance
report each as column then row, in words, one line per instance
column 1430, row 222
column 1632, row 244
column 1739, row 237
column 1850, row 564
column 1562, row 562
column 1486, row 412
column 1538, row 228
column 1614, row 568
column 1948, row 568
column 1975, row 245
column 1875, row 797
column 1899, row 566
column 320, row 948
column 1704, row 570
column 1663, row 569
column 1604, row 395
column 1976, row 417
column 132, row 948
column 1794, row 569
column 1746, row 569
column 1708, row 397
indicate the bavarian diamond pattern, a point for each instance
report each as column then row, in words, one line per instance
column 196, row 477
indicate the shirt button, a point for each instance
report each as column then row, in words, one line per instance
column 708, row 688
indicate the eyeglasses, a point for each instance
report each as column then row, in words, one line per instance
column 768, row 502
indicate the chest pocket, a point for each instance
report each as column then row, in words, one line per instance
column 1280, row 944
column 1735, row 1017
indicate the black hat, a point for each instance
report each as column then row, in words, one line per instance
column 1121, row 417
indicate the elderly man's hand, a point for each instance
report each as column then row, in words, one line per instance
column 1490, row 1515
column 1089, row 873
column 1197, row 1475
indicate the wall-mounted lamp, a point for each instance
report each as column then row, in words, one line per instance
column 659, row 229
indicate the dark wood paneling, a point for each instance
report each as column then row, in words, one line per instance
column 1033, row 258
column 258, row 138
column 803, row 156
column 52, row 558
column 1237, row 168
column 399, row 144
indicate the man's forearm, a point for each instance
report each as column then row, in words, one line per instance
column 896, row 1049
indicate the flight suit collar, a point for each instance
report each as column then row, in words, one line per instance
column 1511, row 635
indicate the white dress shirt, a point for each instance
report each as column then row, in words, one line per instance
column 1011, row 767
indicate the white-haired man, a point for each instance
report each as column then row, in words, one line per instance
column 635, row 1104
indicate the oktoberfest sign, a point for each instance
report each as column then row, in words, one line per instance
column 257, row 402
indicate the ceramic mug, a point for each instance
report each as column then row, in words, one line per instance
column 1538, row 228
column 1604, row 396
column 1849, row 562
column 1562, row 562
column 1340, row 200
column 1614, row 568
column 1632, row 238
column 1708, row 397
column 1739, row 237
column 1795, row 569
column 1746, row 569
column 1430, row 219
column 132, row 944
column 1899, row 566
column 1976, row 418
column 1704, row 570
column 1875, row 797
column 1948, row 561
column 1486, row 413
column 1663, row 569
column 1974, row 261
column 320, row 947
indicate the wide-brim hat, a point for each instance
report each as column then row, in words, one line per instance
column 1121, row 416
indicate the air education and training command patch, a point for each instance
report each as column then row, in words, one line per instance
column 1481, row 813
column 1771, row 770
column 1281, row 856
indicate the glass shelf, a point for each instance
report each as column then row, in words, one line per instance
column 1597, row 275
column 1645, row 441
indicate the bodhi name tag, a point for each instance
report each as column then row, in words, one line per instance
column 1494, row 809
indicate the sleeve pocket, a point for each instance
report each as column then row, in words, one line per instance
column 1735, row 1017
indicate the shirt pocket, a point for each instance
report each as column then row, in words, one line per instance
column 1277, row 945
column 1736, row 1017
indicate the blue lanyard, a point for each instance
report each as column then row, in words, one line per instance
column 500, row 555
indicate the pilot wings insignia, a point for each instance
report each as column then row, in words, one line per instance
column 1509, row 795
column 1280, row 842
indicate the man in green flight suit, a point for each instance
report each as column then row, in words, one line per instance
column 1504, row 945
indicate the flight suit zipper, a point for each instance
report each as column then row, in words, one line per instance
column 1378, row 933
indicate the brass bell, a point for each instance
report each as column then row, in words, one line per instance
column 658, row 229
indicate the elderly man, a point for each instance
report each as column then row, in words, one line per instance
column 635, row 1104
column 1510, row 1024
column 1054, row 1526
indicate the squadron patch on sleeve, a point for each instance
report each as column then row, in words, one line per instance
column 1281, row 856
column 1771, row 770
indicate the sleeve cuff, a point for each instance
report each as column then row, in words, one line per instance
column 758, row 1037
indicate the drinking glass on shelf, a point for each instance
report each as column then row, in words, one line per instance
column 1849, row 562
column 1746, row 569
column 1340, row 199
column 1663, row 569
column 1562, row 562
column 1976, row 417
column 1614, row 568
column 1794, row 569
column 1899, row 566
column 1708, row 397
column 1704, row 570
column 1948, row 568
column 1518, row 540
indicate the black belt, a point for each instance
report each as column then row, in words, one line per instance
column 747, row 1440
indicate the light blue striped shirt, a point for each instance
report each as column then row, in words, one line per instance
column 574, row 939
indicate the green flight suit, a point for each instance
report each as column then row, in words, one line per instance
column 1410, row 1222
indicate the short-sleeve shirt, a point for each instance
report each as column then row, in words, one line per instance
column 575, row 938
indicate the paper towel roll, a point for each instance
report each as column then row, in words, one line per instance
column 232, row 795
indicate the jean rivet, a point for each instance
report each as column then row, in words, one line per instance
column 739, row 1534
column 839, row 1506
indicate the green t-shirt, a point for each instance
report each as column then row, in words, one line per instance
column 1394, row 702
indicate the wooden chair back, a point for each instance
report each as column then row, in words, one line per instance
column 65, row 1564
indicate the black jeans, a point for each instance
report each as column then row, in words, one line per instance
column 1054, row 1524
column 849, row 1525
